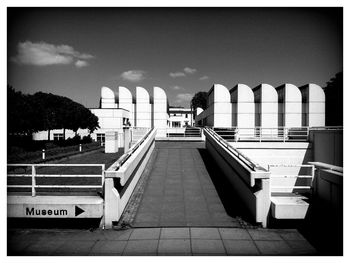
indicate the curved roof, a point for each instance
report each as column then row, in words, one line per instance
column 107, row 93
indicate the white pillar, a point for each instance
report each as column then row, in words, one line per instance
column 111, row 142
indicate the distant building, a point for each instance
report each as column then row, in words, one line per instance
column 180, row 117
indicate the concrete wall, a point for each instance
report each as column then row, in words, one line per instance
column 129, row 174
column 314, row 105
column 254, row 193
column 327, row 146
column 327, row 206
column 143, row 108
column 160, row 115
column 289, row 106
column 218, row 112
column 108, row 98
column 266, row 108
column 125, row 102
column 243, row 108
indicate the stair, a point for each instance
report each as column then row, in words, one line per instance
column 228, row 134
column 192, row 132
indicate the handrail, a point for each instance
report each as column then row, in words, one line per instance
column 254, row 166
column 122, row 159
column 34, row 175
column 327, row 166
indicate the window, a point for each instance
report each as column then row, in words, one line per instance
column 186, row 116
column 176, row 124
column 100, row 137
column 57, row 136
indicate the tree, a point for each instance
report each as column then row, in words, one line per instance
column 334, row 101
column 199, row 100
column 46, row 111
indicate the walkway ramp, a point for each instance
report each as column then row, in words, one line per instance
column 179, row 191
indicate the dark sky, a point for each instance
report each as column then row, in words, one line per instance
column 74, row 51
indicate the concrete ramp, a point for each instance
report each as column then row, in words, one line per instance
column 178, row 191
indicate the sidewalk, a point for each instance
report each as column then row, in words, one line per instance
column 159, row 241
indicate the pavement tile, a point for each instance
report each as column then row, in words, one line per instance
column 145, row 233
column 240, row 247
column 43, row 247
column 147, row 217
column 291, row 234
column 117, row 235
column 234, row 233
column 174, row 233
column 17, row 248
column 108, row 247
column 88, row 235
column 301, row 247
column 174, row 247
column 75, row 247
column 205, row 233
column 274, row 247
column 207, row 247
column 141, row 248
column 264, row 234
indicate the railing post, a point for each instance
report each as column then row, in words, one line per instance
column 33, row 180
column 260, row 131
column 103, row 175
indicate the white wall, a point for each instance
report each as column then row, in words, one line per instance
column 290, row 107
column 243, row 108
column 266, row 105
column 108, row 98
column 125, row 102
column 219, row 107
column 314, row 105
column 143, row 108
column 160, row 115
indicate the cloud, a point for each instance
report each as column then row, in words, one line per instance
column 177, row 88
column 183, row 97
column 204, row 78
column 190, row 70
column 81, row 63
column 177, row 74
column 44, row 54
column 133, row 75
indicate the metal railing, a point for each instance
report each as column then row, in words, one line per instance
column 266, row 134
column 180, row 132
column 310, row 176
column 122, row 159
column 35, row 175
column 252, row 165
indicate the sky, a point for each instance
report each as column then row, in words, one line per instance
column 73, row 52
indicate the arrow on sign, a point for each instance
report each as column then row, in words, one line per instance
column 78, row 210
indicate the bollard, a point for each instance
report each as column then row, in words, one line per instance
column 80, row 147
column 43, row 154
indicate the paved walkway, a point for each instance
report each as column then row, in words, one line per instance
column 159, row 241
column 179, row 191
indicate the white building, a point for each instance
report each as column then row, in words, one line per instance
column 180, row 117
